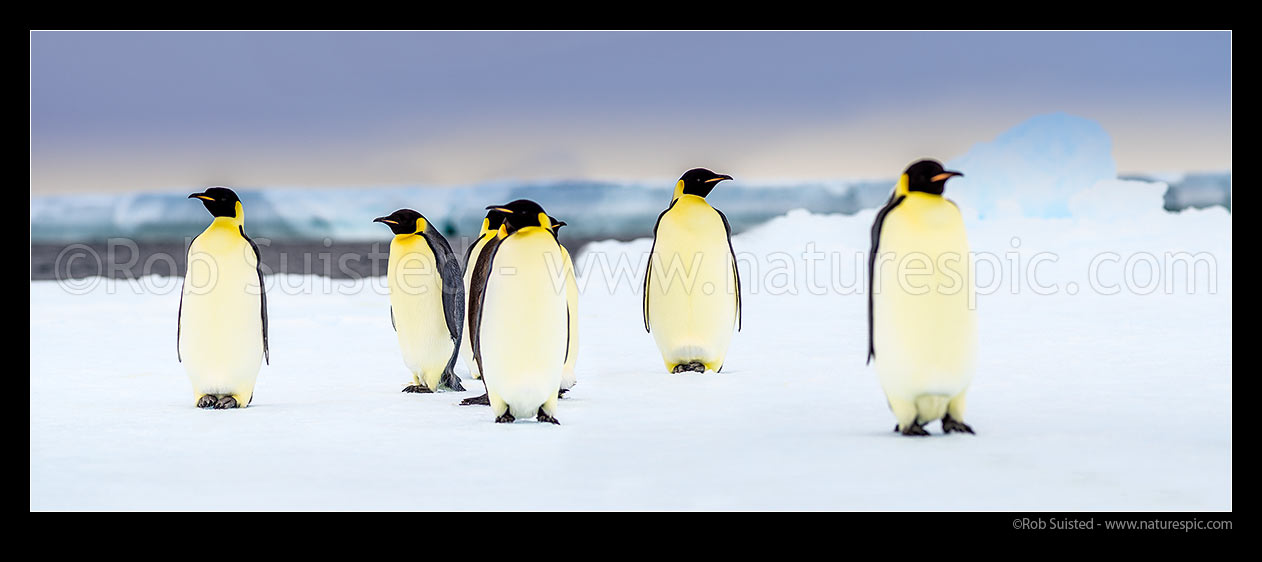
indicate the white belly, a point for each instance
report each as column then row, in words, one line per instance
column 924, row 326
column 416, row 300
column 221, row 321
column 523, row 329
column 692, row 286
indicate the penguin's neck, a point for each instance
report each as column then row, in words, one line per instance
column 527, row 231
column 407, row 238
column 235, row 222
column 901, row 188
column 686, row 199
column 229, row 223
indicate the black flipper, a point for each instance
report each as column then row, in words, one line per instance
column 477, row 297
column 179, row 325
column 736, row 272
column 894, row 200
column 453, row 300
column 258, row 259
column 648, row 270
column 468, row 252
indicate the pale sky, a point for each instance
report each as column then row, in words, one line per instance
column 114, row 111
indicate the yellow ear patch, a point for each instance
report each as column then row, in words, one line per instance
column 544, row 221
column 679, row 190
column 421, row 225
column 901, row 188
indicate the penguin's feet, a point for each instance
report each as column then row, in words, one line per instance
column 484, row 400
column 417, row 388
column 226, row 403
column 543, row 417
column 505, row 418
column 913, row 429
column 450, row 382
column 694, row 366
column 561, row 393
column 950, row 424
column 207, row 401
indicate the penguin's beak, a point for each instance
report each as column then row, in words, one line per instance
column 558, row 223
column 718, row 178
column 500, row 209
column 945, row 175
column 201, row 196
column 385, row 220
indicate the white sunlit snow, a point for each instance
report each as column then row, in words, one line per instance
column 1104, row 380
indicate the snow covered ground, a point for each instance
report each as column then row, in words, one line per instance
column 1104, row 383
column 1081, row 402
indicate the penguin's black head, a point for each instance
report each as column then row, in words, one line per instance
column 928, row 176
column 521, row 214
column 404, row 221
column 494, row 218
column 699, row 182
column 556, row 224
column 220, row 201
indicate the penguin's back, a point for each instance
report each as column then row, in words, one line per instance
column 924, row 325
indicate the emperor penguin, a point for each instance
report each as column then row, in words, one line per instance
column 490, row 229
column 221, row 328
column 518, row 309
column 692, row 288
column 426, row 301
column 922, row 329
column 568, row 378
